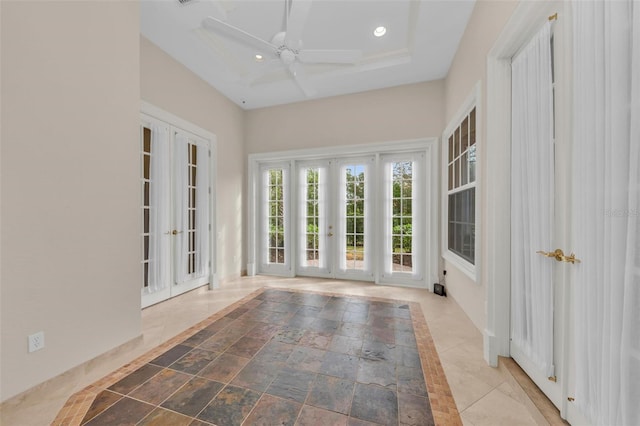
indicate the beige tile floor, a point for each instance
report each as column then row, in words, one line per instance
column 483, row 394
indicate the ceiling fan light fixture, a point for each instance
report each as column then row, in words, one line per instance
column 380, row 31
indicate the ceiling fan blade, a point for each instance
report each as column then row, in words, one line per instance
column 296, row 22
column 301, row 78
column 212, row 24
column 330, row 56
column 263, row 69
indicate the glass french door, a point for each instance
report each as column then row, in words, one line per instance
column 334, row 218
column 176, row 205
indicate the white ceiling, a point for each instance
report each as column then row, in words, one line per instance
column 421, row 40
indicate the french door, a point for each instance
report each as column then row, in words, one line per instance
column 335, row 217
column 359, row 217
column 538, row 208
column 175, row 211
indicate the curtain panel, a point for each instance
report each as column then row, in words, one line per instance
column 605, row 190
column 532, row 201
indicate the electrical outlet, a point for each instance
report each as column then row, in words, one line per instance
column 36, row 341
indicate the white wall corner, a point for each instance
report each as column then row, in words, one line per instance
column 251, row 269
column 214, row 282
column 490, row 348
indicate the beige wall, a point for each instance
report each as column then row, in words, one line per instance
column 399, row 113
column 470, row 66
column 167, row 84
column 70, row 243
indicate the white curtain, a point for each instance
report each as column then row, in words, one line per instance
column 630, row 347
column 159, row 241
column 202, row 212
column 181, row 164
column 532, row 201
column 605, row 187
column 387, row 217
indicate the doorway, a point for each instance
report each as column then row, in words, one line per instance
column 176, row 210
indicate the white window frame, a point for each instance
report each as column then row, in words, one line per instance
column 471, row 270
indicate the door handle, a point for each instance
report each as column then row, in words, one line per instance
column 330, row 234
column 559, row 255
column 174, row 232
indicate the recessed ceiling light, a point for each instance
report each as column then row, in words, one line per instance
column 259, row 58
column 379, row 31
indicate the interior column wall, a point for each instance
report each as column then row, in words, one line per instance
column 70, row 239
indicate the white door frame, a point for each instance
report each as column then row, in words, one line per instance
column 525, row 21
column 431, row 217
column 174, row 123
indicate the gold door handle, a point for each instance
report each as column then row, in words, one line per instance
column 330, row 234
column 174, row 232
column 559, row 255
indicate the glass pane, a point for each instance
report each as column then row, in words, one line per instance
column 451, row 171
column 145, row 273
column 145, row 247
column 472, row 127
column 457, row 173
column 145, row 190
column 350, row 225
column 146, row 140
column 472, row 163
column 464, row 135
column 407, row 188
column 146, row 159
column 407, row 207
column 464, row 169
column 359, row 190
column 456, row 143
column 450, row 148
column 145, row 220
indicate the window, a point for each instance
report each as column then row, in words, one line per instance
column 461, row 189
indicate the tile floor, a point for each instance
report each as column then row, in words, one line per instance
column 483, row 394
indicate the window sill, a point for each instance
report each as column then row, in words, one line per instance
column 465, row 267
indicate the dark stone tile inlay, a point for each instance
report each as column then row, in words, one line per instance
column 340, row 365
column 193, row 396
column 126, row 412
column 332, row 393
column 292, row 384
column 375, row 404
column 282, row 358
column 230, row 407
column 272, row 411
column 135, row 379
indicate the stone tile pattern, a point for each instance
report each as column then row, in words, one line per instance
column 282, row 356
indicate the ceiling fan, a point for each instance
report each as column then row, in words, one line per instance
column 286, row 47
